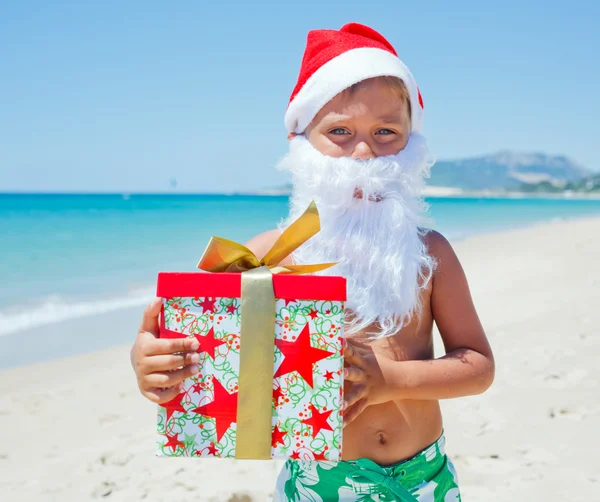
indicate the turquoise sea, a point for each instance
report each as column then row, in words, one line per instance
column 66, row 256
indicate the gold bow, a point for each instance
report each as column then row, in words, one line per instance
column 223, row 255
column 257, row 347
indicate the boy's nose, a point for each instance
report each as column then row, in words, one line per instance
column 362, row 151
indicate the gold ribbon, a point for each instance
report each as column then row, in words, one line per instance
column 257, row 347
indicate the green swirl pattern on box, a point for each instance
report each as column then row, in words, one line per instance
column 307, row 384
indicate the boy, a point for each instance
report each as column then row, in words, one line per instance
column 354, row 122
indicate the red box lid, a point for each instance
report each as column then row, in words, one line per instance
column 228, row 285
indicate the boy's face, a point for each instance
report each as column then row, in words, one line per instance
column 369, row 121
column 356, row 162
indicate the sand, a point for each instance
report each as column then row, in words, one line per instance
column 77, row 429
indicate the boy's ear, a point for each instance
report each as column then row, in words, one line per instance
column 291, row 136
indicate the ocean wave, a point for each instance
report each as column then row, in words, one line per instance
column 56, row 309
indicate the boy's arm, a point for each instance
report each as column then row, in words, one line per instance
column 468, row 366
column 466, row 369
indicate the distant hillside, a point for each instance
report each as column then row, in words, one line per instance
column 590, row 185
column 506, row 171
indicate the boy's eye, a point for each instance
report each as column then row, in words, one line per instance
column 385, row 132
column 338, row 130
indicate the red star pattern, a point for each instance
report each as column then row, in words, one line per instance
column 278, row 436
column 223, row 409
column 208, row 343
column 318, row 420
column 174, row 405
column 277, row 393
column 300, row 356
column 173, row 442
column 207, row 305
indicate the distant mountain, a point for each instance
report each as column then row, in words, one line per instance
column 589, row 185
column 507, row 171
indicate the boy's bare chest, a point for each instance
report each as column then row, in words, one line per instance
column 413, row 342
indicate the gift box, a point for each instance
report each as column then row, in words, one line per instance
column 271, row 356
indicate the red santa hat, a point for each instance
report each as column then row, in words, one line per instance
column 335, row 60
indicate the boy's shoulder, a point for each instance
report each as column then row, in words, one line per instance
column 446, row 262
column 262, row 243
column 435, row 242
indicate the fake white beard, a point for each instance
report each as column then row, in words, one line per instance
column 378, row 246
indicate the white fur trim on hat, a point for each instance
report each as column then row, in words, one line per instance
column 342, row 72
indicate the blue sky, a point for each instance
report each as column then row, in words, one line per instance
column 124, row 96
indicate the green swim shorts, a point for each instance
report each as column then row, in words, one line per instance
column 427, row 477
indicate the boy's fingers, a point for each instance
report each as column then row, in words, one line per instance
column 160, row 346
column 161, row 396
column 351, row 356
column 150, row 317
column 353, row 396
column 353, row 374
column 171, row 361
column 170, row 378
column 351, row 413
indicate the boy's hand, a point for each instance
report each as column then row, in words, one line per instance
column 153, row 358
column 363, row 372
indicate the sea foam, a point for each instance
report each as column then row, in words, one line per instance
column 56, row 309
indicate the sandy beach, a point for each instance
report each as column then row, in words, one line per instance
column 77, row 429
